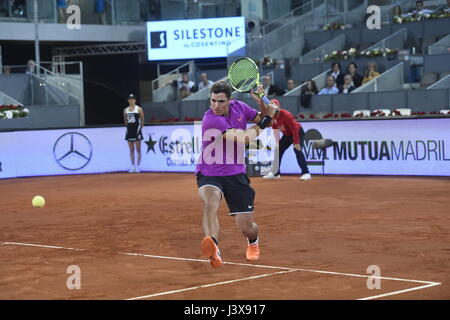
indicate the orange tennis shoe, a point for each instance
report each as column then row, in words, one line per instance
column 252, row 253
column 211, row 251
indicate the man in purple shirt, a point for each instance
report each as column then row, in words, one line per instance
column 221, row 170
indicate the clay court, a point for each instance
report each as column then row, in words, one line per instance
column 137, row 236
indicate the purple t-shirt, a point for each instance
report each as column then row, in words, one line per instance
column 223, row 158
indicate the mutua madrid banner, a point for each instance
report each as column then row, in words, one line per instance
column 369, row 147
column 379, row 147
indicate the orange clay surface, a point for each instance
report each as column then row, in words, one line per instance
column 340, row 224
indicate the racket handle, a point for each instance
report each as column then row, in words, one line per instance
column 265, row 100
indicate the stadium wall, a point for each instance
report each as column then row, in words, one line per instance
column 367, row 147
column 44, row 117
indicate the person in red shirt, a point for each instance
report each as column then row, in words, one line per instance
column 293, row 133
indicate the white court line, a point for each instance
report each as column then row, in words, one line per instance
column 283, row 268
column 401, row 291
column 199, row 260
column 367, row 276
column 287, row 269
column 210, row 285
column 39, row 245
column 162, row 257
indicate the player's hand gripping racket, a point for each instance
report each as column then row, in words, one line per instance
column 243, row 75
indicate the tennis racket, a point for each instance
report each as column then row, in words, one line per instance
column 243, row 75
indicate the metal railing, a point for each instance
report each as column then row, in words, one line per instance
column 316, row 55
column 394, row 41
column 322, row 18
column 444, row 83
column 319, row 79
column 61, row 83
column 202, row 94
column 390, row 80
column 7, row 100
column 47, row 87
column 291, row 50
column 441, row 46
column 166, row 78
column 272, row 41
column 272, row 25
column 286, row 35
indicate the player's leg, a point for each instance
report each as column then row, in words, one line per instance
column 138, row 152
column 211, row 201
column 131, row 147
column 210, row 191
column 240, row 198
column 247, row 226
column 250, row 230
column 301, row 159
column 284, row 144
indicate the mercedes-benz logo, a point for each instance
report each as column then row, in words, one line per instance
column 72, row 151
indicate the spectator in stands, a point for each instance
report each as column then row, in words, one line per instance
column 100, row 10
column 397, row 12
column 271, row 89
column 348, row 85
column 308, row 91
column 357, row 78
column 330, row 87
column 397, row 15
column 204, row 82
column 290, row 84
column 61, row 5
column 18, row 8
column 31, row 66
column 371, row 72
column 185, row 86
column 420, row 10
column 337, row 74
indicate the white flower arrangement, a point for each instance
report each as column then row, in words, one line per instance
column 11, row 111
column 353, row 53
column 9, row 114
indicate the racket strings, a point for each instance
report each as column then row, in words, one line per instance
column 243, row 75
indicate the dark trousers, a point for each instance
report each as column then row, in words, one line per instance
column 285, row 143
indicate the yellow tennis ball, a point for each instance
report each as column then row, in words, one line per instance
column 38, row 201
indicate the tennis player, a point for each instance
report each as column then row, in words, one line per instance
column 221, row 170
column 133, row 116
column 293, row 133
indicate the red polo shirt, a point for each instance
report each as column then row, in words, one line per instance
column 286, row 122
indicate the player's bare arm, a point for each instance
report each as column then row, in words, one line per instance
column 245, row 136
column 256, row 95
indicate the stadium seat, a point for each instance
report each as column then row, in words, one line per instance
column 381, row 113
column 321, row 115
column 443, row 75
column 361, row 113
column 402, row 112
column 304, row 115
column 342, row 114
